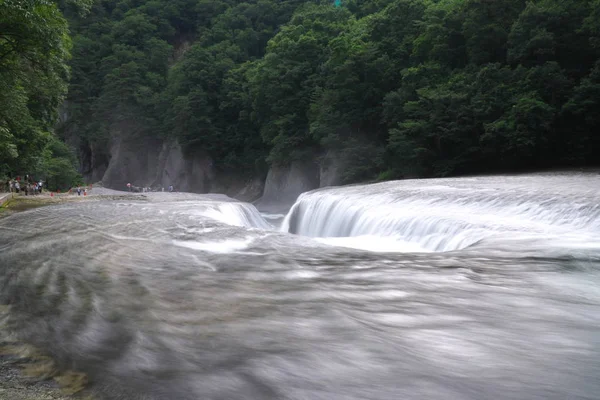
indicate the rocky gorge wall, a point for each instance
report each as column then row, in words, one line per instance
column 147, row 162
column 284, row 183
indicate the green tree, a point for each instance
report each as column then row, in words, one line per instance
column 398, row 87
column 34, row 47
column 285, row 80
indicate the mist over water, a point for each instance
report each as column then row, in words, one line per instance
column 471, row 288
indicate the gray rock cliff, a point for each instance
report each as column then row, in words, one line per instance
column 285, row 183
column 131, row 157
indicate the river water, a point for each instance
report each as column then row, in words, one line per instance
column 470, row 288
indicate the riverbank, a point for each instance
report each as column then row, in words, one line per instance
column 11, row 203
column 4, row 198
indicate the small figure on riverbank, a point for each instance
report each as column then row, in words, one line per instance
column 129, row 186
column 78, row 191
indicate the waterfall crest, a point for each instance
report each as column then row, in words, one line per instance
column 237, row 214
column 449, row 214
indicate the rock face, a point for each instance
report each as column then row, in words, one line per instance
column 284, row 183
column 132, row 159
column 93, row 162
column 236, row 186
column 146, row 162
column 187, row 174
column 330, row 170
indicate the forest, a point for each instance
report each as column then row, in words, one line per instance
column 400, row 88
column 34, row 52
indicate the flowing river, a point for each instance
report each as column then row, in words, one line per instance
column 467, row 288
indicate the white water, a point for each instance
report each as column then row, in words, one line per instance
column 187, row 297
column 230, row 213
column 236, row 214
column 450, row 214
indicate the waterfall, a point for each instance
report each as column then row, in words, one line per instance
column 179, row 296
column 444, row 215
column 236, row 214
column 215, row 207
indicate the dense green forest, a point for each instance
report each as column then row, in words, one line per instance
column 34, row 50
column 397, row 87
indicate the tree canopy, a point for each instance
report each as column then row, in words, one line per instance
column 398, row 88
column 34, row 50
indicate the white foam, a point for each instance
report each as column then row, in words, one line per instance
column 449, row 214
column 236, row 214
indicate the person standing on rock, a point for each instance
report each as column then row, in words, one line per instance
column 129, row 186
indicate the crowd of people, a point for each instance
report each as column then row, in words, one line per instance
column 139, row 189
column 80, row 191
column 27, row 185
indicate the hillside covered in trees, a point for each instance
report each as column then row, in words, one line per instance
column 397, row 88
column 34, row 50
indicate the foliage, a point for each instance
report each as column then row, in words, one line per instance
column 34, row 49
column 285, row 81
column 58, row 166
column 397, row 88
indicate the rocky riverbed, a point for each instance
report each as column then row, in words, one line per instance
column 26, row 374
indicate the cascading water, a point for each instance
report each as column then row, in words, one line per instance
column 448, row 214
column 168, row 296
column 236, row 214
